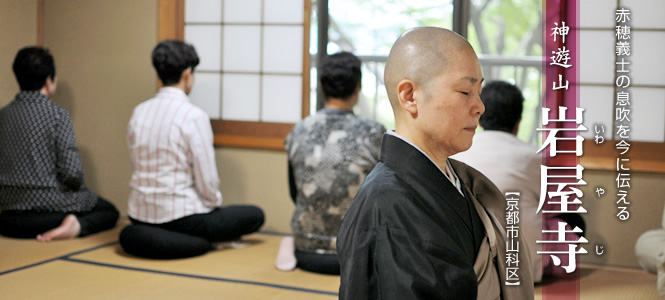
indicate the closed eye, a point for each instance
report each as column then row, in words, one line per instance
column 465, row 93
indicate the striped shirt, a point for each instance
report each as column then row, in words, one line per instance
column 171, row 147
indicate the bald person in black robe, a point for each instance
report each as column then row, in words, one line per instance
column 423, row 226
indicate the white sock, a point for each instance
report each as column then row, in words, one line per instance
column 286, row 258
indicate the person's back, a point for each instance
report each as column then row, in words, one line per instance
column 330, row 153
column 31, row 129
column 175, row 202
column 163, row 139
column 510, row 163
column 42, row 193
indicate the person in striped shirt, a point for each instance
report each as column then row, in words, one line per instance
column 175, row 202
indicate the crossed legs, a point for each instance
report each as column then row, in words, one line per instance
column 48, row 226
column 192, row 235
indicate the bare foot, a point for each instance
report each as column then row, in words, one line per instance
column 286, row 257
column 70, row 228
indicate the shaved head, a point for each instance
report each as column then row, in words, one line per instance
column 434, row 79
column 420, row 54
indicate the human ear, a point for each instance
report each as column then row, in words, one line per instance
column 406, row 96
column 187, row 80
column 50, row 86
column 186, row 74
column 517, row 126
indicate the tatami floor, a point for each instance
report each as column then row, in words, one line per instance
column 601, row 283
column 95, row 267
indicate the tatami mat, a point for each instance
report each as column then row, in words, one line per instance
column 597, row 282
column 96, row 268
column 20, row 253
column 70, row 280
column 602, row 283
column 253, row 264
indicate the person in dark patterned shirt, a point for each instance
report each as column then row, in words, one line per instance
column 42, row 193
column 330, row 153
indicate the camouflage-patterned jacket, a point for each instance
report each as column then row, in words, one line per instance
column 330, row 153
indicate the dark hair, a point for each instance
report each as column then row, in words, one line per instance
column 32, row 66
column 503, row 106
column 340, row 75
column 170, row 58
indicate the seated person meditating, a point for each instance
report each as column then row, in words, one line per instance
column 423, row 226
column 329, row 153
column 42, row 194
column 175, row 203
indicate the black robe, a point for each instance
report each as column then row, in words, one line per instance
column 410, row 234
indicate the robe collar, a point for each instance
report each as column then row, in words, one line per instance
column 404, row 158
column 454, row 180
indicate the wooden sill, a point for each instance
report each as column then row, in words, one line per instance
column 249, row 142
column 261, row 135
column 644, row 156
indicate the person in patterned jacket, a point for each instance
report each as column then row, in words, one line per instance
column 329, row 153
column 42, row 193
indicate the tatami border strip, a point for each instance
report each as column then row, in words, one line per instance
column 279, row 286
column 274, row 233
column 57, row 258
column 68, row 257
